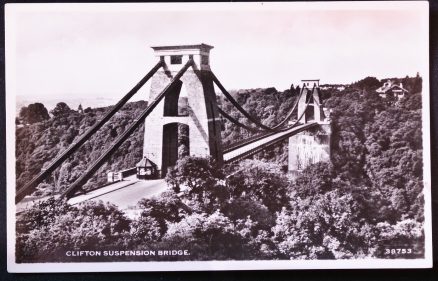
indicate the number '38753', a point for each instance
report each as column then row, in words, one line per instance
column 398, row 251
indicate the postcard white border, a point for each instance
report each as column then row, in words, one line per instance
column 10, row 11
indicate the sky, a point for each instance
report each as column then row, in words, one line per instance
column 85, row 50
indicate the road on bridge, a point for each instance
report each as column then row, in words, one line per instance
column 124, row 194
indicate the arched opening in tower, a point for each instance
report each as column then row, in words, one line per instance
column 176, row 102
column 176, row 145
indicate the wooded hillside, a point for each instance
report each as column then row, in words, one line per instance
column 366, row 203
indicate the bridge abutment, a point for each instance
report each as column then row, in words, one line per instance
column 309, row 147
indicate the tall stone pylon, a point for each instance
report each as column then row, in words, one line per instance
column 313, row 145
column 192, row 103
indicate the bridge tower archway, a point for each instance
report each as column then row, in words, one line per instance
column 175, row 144
column 191, row 102
column 310, row 102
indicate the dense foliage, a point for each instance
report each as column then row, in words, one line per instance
column 33, row 113
column 367, row 201
column 39, row 143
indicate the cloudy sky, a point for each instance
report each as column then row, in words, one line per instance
column 102, row 51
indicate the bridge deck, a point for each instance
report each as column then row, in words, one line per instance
column 259, row 144
column 124, row 194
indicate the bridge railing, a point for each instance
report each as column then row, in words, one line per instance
column 256, row 149
column 120, row 175
column 244, row 142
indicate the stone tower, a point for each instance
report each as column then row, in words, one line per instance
column 191, row 104
column 314, row 110
column 313, row 145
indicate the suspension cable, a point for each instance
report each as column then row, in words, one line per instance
column 30, row 186
column 236, row 122
column 258, row 137
column 251, row 118
column 119, row 141
column 301, row 116
column 293, row 109
column 237, row 105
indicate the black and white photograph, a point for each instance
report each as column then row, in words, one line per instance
column 217, row 136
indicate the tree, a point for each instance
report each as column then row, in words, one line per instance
column 64, row 177
column 243, row 208
column 323, row 226
column 405, row 233
column 351, row 111
column 260, row 181
column 292, row 89
column 315, row 179
column 412, row 101
column 394, row 162
column 35, row 112
column 165, row 209
column 418, row 82
column 211, row 237
column 61, row 108
column 183, row 141
column 201, row 181
column 368, row 83
column 54, row 227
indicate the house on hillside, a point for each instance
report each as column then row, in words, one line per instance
column 391, row 88
column 332, row 86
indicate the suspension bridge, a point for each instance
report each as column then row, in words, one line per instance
column 187, row 69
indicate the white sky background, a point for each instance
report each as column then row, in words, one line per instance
column 76, row 50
